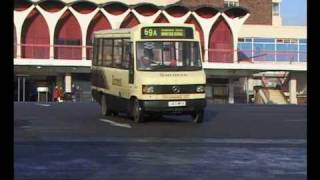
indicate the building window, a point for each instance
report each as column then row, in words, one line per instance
column 231, row 3
column 275, row 9
column 270, row 49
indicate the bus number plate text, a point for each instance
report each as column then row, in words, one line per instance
column 176, row 103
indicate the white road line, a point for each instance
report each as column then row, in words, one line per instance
column 47, row 105
column 297, row 120
column 182, row 140
column 115, row 123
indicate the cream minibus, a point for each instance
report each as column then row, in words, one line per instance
column 150, row 69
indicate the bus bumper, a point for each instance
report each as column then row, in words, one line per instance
column 163, row 106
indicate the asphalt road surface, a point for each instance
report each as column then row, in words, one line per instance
column 73, row 141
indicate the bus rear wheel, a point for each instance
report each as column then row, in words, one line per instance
column 198, row 116
column 137, row 112
column 104, row 106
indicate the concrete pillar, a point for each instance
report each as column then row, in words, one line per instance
column 231, row 91
column 246, row 84
column 19, row 89
column 19, row 17
column 23, row 89
column 67, row 83
column 293, row 90
column 209, row 91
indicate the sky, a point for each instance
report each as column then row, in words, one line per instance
column 294, row 12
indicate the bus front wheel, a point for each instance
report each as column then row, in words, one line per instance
column 137, row 112
column 104, row 106
column 198, row 116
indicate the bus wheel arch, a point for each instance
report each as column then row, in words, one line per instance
column 130, row 105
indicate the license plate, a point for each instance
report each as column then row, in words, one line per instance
column 176, row 103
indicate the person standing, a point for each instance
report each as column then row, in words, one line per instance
column 56, row 94
column 60, row 98
column 73, row 92
column 77, row 93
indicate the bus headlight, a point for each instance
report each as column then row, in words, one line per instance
column 200, row 89
column 147, row 89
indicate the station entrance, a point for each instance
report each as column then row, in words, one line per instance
column 26, row 88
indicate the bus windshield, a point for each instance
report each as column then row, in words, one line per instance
column 168, row 55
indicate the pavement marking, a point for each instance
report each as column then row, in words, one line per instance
column 212, row 140
column 243, row 141
column 115, row 123
column 47, row 105
column 297, row 120
column 25, row 127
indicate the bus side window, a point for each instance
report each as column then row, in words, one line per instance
column 117, row 53
column 107, row 52
column 100, row 52
column 126, row 54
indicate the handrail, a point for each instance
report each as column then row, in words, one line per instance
column 225, row 54
column 56, row 45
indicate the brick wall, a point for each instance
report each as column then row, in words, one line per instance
column 260, row 11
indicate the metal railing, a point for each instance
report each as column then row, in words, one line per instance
column 36, row 51
column 42, row 51
column 68, row 52
column 226, row 55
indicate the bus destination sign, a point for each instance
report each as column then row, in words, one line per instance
column 166, row 33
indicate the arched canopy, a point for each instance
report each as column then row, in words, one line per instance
column 234, row 12
column 176, row 10
column 83, row 6
column 144, row 4
column 51, row 5
column 35, row 36
column 206, row 11
column 213, row 8
column 146, row 9
column 99, row 22
column 193, row 20
column 221, row 42
column 115, row 8
column 20, row 5
column 68, row 33
column 81, row 1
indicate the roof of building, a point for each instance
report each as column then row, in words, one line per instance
column 163, row 4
